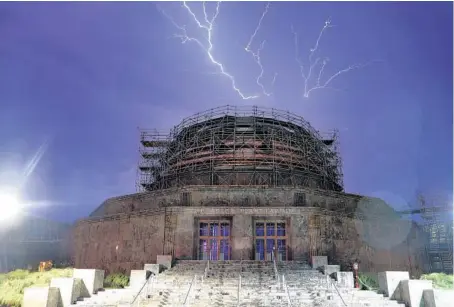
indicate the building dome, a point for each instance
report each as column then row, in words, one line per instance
column 240, row 147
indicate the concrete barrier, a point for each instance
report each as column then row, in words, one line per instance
column 437, row 297
column 319, row 261
column 69, row 289
column 344, row 279
column 41, row 297
column 330, row 269
column 389, row 282
column 411, row 291
column 165, row 260
column 154, row 268
column 93, row 281
column 138, row 277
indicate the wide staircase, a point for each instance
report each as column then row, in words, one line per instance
column 308, row 287
column 238, row 283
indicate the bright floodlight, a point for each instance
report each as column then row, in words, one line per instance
column 9, row 206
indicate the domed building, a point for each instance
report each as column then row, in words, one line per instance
column 246, row 183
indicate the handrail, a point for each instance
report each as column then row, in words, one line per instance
column 207, row 268
column 284, row 285
column 337, row 290
column 276, row 273
column 189, row 290
column 239, row 290
column 146, row 283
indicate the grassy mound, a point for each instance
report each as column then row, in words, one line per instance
column 440, row 280
column 12, row 284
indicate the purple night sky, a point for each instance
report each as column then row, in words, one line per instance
column 77, row 79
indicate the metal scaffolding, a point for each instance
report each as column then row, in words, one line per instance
column 243, row 146
column 437, row 223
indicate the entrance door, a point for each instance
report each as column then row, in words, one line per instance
column 270, row 240
column 214, row 240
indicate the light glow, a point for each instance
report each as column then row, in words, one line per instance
column 10, row 206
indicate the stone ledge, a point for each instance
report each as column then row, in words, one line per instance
column 138, row 277
column 411, row 291
column 164, row 260
column 389, row 282
column 69, row 289
column 93, row 281
column 330, row 269
column 41, row 297
column 319, row 261
column 344, row 279
column 437, row 297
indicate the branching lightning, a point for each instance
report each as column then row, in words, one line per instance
column 313, row 70
column 318, row 63
column 207, row 26
column 256, row 54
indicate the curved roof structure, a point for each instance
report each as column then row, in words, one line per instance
column 247, row 146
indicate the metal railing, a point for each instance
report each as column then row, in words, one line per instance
column 284, row 285
column 144, row 291
column 186, row 302
column 239, row 290
column 276, row 273
column 207, row 268
column 330, row 281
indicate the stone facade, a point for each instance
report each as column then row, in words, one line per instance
column 125, row 233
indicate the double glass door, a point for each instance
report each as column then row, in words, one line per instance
column 270, row 241
column 214, row 240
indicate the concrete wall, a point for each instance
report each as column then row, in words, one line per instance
column 140, row 237
column 220, row 196
column 118, row 245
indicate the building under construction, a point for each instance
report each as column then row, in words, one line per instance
column 239, row 183
column 240, row 146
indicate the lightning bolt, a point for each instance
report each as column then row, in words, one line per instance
column 256, row 55
column 207, row 26
column 319, row 63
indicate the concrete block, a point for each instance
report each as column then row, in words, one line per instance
column 330, row 269
column 411, row 291
column 93, row 281
column 318, row 261
column 154, row 268
column 41, row 297
column 138, row 278
column 389, row 281
column 344, row 279
column 69, row 289
column 165, row 260
column 437, row 297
